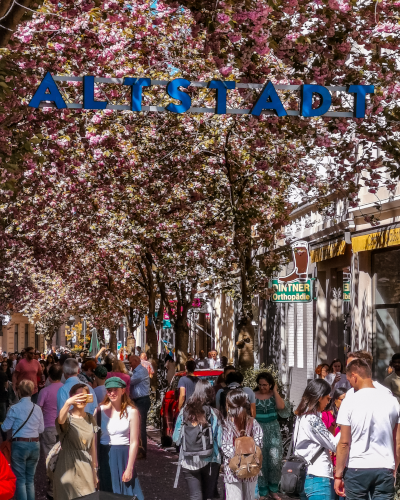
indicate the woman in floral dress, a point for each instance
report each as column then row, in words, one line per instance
column 269, row 404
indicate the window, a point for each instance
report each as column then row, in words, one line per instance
column 36, row 341
column 386, row 269
column 16, row 339
column 26, row 336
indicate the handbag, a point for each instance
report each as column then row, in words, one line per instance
column 5, row 447
column 294, row 470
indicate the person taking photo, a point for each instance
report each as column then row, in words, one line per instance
column 75, row 474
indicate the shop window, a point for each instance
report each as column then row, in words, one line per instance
column 386, row 269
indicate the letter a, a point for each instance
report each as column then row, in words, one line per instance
column 274, row 102
column 54, row 96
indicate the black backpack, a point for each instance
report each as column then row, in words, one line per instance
column 294, row 470
column 196, row 442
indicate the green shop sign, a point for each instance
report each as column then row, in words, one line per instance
column 291, row 292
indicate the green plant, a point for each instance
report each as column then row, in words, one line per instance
column 153, row 417
column 250, row 375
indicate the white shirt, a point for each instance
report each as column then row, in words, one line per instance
column 214, row 363
column 376, row 384
column 372, row 415
column 115, row 431
column 310, row 434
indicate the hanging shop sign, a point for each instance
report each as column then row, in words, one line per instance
column 296, row 286
column 291, row 292
column 269, row 102
column 346, row 284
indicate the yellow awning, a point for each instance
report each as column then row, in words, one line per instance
column 328, row 251
column 373, row 241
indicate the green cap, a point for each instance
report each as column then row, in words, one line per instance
column 115, row 382
column 101, row 371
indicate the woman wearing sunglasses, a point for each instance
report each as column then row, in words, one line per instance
column 118, row 419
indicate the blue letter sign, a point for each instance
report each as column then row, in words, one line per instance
column 274, row 102
column 137, row 84
column 267, row 100
column 221, row 94
column 174, row 92
column 40, row 95
column 307, row 92
column 88, row 95
column 360, row 92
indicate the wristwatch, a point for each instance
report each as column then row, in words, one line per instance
column 341, row 477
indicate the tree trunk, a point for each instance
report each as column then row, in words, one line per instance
column 245, row 343
column 113, row 341
column 182, row 342
column 152, row 354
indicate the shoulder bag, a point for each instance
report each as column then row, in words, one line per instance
column 294, row 470
column 5, row 447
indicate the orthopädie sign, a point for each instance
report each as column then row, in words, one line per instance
column 268, row 102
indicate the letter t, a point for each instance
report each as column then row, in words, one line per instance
column 221, row 93
column 137, row 84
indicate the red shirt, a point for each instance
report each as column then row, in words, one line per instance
column 28, row 370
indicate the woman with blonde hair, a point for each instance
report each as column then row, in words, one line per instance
column 119, row 370
column 118, row 420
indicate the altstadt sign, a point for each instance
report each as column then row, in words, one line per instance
column 269, row 102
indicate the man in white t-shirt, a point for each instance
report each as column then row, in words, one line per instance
column 370, row 439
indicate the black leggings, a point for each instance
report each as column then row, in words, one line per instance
column 201, row 482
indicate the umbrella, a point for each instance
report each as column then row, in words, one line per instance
column 104, row 495
column 94, row 343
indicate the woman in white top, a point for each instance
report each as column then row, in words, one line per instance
column 118, row 419
column 335, row 376
column 311, row 436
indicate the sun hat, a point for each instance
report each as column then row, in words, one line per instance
column 115, row 382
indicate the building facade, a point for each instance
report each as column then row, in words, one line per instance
column 18, row 334
column 354, row 268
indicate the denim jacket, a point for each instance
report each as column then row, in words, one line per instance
column 216, row 430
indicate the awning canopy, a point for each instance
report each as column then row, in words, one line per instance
column 332, row 249
column 374, row 241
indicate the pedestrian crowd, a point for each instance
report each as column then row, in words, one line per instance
column 86, row 414
column 89, row 415
column 345, row 442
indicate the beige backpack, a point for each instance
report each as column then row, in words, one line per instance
column 247, row 460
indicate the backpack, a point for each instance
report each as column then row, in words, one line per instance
column 247, row 460
column 196, row 442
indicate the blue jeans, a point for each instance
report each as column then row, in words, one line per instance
column 24, row 459
column 317, row 488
